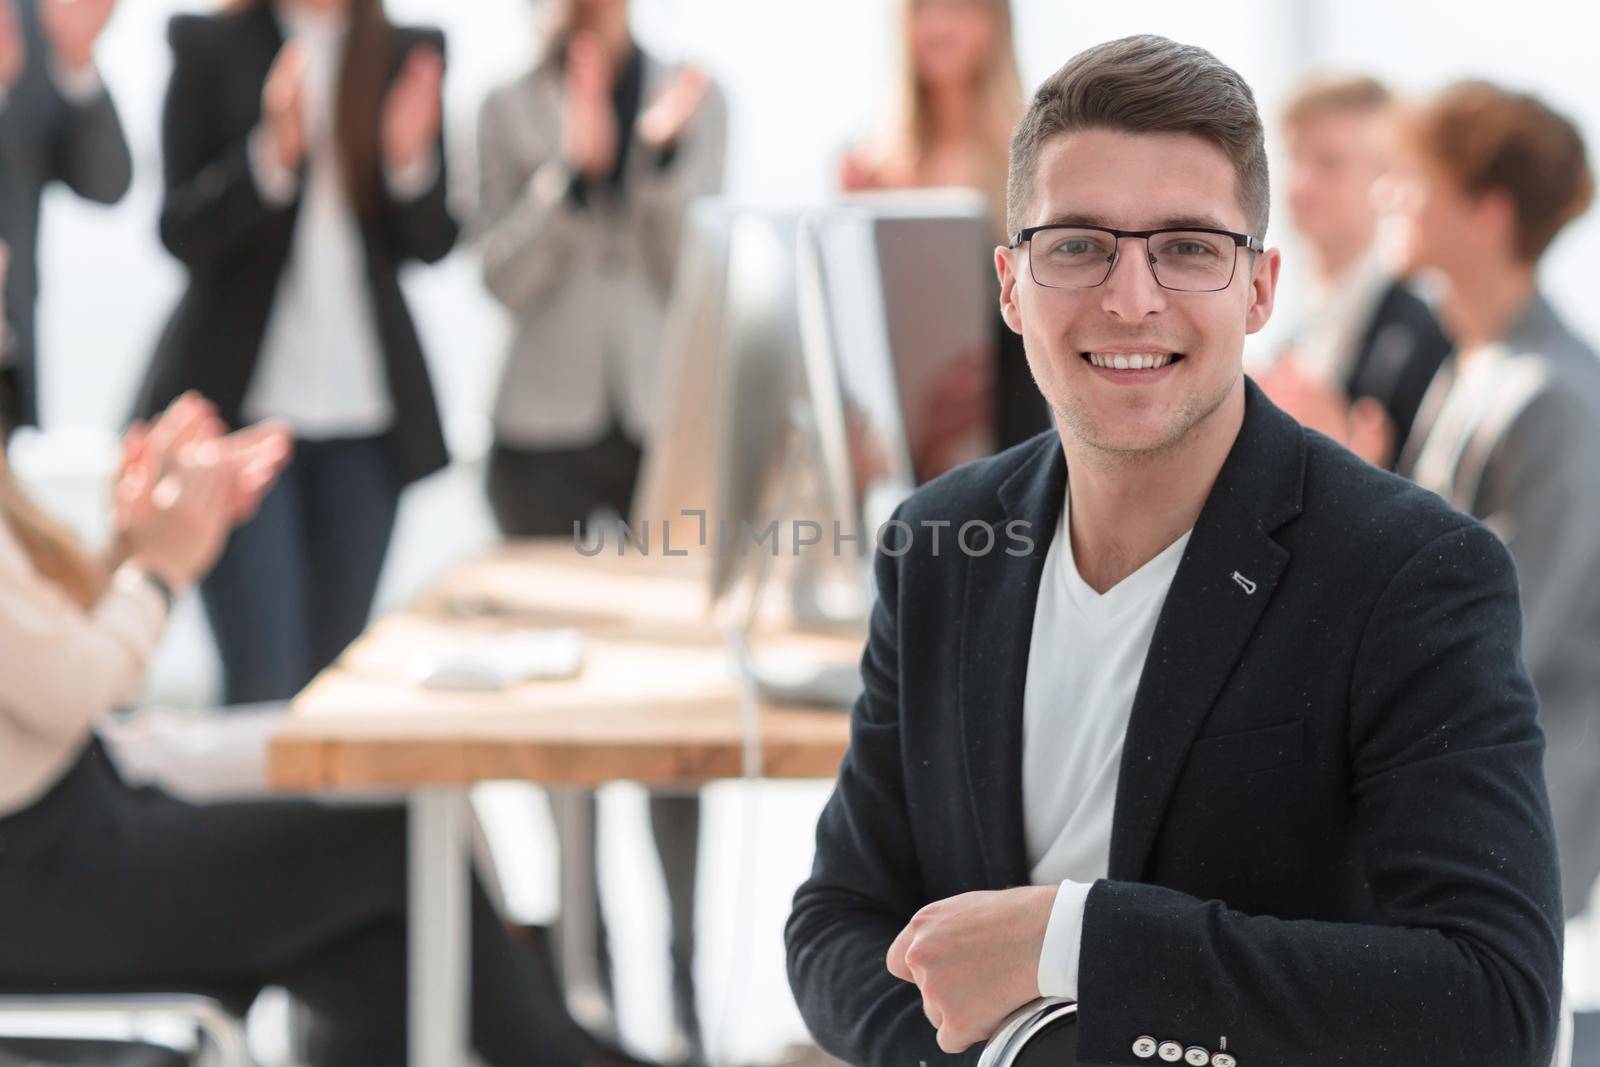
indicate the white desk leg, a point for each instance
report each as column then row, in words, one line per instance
column 440, row 927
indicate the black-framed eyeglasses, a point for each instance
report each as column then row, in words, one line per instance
column 1195, row 259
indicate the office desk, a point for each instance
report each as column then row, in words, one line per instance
column 657, row 702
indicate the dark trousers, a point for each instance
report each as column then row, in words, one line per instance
column 541, row 494
column 295, row 584
column 105, row 887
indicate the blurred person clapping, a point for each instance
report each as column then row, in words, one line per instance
column 304, row 164
column 57, row 124
column 105, row 884
column 588, row 163
column 1368, row 346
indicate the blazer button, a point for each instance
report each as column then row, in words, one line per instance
column 1223, row 1059
column 1170, row 1051
column 1196, row 1056
column 1144, row 1048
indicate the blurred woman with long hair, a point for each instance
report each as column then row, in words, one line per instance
column 304, row 165
column 957, row 98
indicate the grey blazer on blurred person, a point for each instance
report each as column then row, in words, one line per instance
column 46, row 137
column 1512, row 435
column 586, row 273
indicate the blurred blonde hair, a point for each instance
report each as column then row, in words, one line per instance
column 1326, row 93
column 999, row 106
column 53, row 549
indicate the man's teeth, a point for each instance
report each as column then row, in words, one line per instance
column 1134, row 361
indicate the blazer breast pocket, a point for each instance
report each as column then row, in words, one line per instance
column 1264, row 748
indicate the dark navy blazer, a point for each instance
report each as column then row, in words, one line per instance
column 1331, row 840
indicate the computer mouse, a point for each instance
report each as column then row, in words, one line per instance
column 461, row 674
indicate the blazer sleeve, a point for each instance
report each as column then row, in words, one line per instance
column 865, row 884
column 663, row 192
column 529, row 224
column 90, row 150
column 67, row 667
column 422, row 227
column 211, row 207
column 1463, row 963
column 1541, row 494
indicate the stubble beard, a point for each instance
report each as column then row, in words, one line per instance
column 1079, row 421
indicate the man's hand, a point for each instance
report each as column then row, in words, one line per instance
column 975, row 958
column 73, row 26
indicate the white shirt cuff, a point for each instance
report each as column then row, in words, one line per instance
column 276, row 183
column 78, row 86
column 1063, row 938
column 412, row 180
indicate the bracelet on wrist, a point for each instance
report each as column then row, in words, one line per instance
column 159, row 584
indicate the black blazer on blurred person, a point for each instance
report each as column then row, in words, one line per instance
column 46, row 137
column 235, row 244
column 1399, row 354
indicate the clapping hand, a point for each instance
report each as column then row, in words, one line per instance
column 1362, row 426
column 412, row 111
column 283, row 105
column 663, row 122
column 73, row 26
column 173, row 523
column 13, row 49
column 251, row 458
column 588, row 125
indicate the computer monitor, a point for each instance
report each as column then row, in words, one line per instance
column 758, row 408
column 731, row 391
column 676, row 473
column 899, row 323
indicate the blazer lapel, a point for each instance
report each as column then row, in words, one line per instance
column 1222, row 586
column 997, row 627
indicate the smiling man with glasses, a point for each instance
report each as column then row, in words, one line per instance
column 1238, row 751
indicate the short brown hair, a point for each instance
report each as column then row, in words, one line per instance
column 1490, row 139
column 1145, row 84
column 1335, row 94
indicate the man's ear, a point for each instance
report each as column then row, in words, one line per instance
column 1263, row 289
column 1005, row 270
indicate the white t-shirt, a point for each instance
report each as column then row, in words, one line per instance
column 1084, row 663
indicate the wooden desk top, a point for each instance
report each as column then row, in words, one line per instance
column 657, row 700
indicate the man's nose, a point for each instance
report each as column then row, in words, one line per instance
column 1131, row 291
